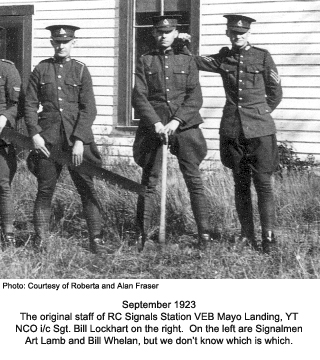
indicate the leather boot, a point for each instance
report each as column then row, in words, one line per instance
column 268, row 242
column 204, row 240
column 248, row 237
column 8, row 239
column 95, row 242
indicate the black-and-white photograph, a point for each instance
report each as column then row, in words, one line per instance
column 160, row 139
column 144, row 141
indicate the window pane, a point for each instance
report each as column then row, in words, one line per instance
column 169, row 5
column 148, row 5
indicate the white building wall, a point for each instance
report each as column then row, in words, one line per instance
column 97, row 46
column 288, row 29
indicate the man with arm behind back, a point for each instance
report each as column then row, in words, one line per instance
column 248, row 143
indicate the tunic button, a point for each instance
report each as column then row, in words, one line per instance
column 168, row 89
column 59, row 76
column 61, row 109
column 182, row 72
column 166, row 57
column 59, row 87
column 241, row 56
column 240, row 80
column 240, row 89
column 166, row 66
column 239, row 106
column 60, row 99
column 167, row 78
column 61, row 65
column 241, row 62
column 168, row 101
column 240, row 98
column 241, row 71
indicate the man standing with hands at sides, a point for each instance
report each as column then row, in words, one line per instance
column 63, row 87
column 248, row 142
column 167, row 97
column 10, row 84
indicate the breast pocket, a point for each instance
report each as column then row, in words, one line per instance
column 180, row 73
column 72, row 89
column 153, row 80
column 46, row 88
column 254, row 76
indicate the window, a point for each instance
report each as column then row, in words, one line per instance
column 135, row 39
column 15, row 39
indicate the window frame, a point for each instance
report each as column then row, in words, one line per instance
column 126, row 54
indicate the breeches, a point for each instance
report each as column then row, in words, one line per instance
column 190, row 149
column 47, row 173
column 260, row 154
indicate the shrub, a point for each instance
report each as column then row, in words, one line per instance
column 290, row 161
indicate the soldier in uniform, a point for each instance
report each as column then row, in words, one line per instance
column 63, row 87
column 10, row 84
column 167, row 97
column 248, row 142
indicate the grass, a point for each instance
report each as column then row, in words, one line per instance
column 298, row 215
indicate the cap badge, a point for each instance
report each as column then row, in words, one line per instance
column 62, row 31
column 165, row 22
column 239, row 23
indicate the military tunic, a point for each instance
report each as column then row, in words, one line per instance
column 253, row 90
column 64, row 89
column 10, row 84
column 162, row 83
column 252, row 86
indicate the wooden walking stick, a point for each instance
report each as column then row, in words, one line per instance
column 162, row 228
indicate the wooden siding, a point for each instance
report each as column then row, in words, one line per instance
column 97, row 47
column 290, row 31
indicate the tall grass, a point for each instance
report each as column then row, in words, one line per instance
column 298, row 216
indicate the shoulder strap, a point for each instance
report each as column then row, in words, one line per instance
column 82, row 68
column 7, row 61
